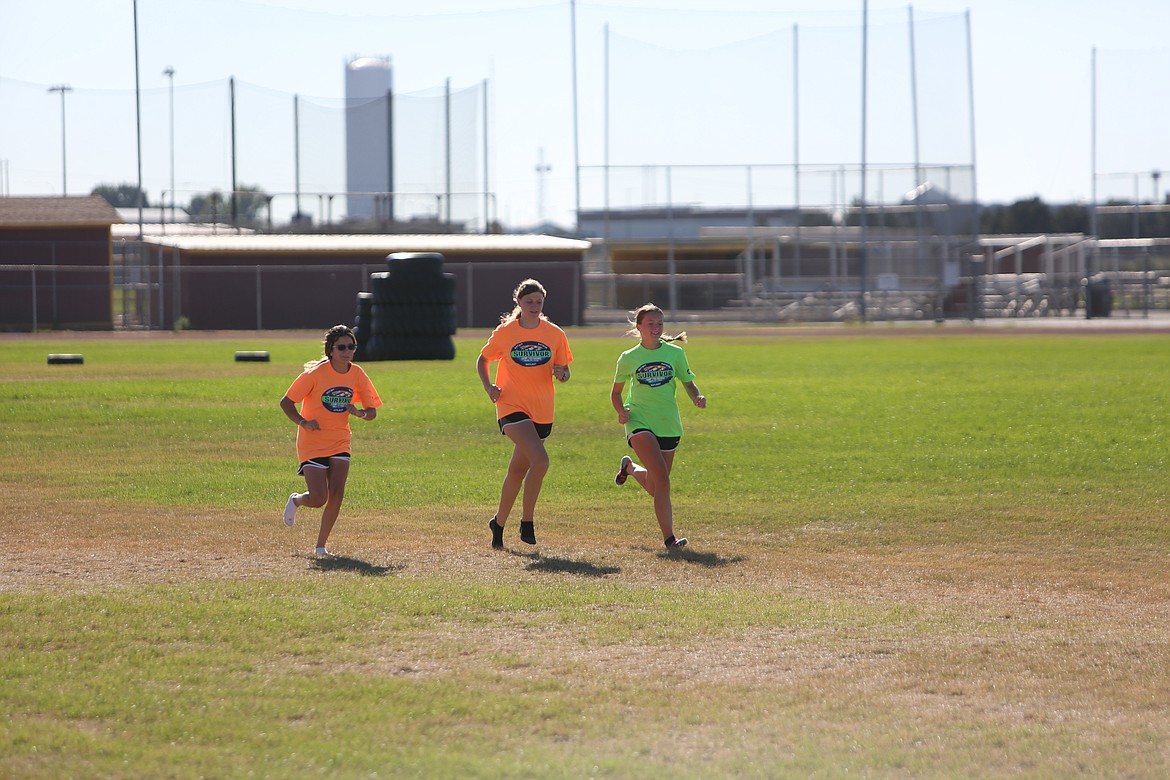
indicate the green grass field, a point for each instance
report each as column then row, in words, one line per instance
column 913, row 554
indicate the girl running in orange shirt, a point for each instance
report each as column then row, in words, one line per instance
column 327, row 391
column 530, row 351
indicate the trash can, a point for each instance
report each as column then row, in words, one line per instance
column 1098, row 296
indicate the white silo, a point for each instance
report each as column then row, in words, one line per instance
column 368, row 162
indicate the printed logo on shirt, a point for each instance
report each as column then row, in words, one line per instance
column 335, row 399
column 654, row 374
column 531, row 353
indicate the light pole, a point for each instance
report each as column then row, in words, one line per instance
column 62, row 88
column 541, row 170
column 170, row 74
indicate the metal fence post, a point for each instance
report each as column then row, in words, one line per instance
column 259, row 301
column 578, row 303
column 672, row 281
column 470, row 294
column 34, row 298
column 177, row 290
column 161, row 299
column 53, row 285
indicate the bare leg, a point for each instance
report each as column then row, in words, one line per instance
column 338, row 474
column 654, row 477
column 528, row 466
column 643, row 477
column 513, row 481
column 317, row 482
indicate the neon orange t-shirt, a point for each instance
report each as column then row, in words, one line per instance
column 323, row 394
column 526, row 358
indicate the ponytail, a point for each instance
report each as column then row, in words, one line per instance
column 524, row 288
column 635, row 320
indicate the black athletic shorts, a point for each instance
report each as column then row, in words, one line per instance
column 320, row 463
column 665, row 443
column 542, row 429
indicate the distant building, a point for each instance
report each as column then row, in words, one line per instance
column 154, row 216
column 55, row 263
column 368, row 159
column 230, row 282
column 680, row 222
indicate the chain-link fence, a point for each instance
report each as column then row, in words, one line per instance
column 143, row 286
column 771, row 278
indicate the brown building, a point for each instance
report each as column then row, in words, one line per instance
column 55, row 268
column 229, row 282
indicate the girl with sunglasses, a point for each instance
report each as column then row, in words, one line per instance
column 327, row 391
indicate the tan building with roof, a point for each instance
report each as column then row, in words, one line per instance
column 55, row 267
column 57, row 272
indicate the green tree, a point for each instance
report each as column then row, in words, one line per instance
column 121, row 196
column 216, row 206
column 1030, row 215
column 250, row 201
column 208, row 207
column 1070, row 218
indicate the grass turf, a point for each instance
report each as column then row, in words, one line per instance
column 935, row 555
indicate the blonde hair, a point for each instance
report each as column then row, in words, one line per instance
column 635, row 320
column 524, row 288
column 331, row 337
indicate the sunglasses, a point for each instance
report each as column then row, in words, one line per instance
column 345, row 347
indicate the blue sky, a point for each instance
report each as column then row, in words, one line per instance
column 1032, row 78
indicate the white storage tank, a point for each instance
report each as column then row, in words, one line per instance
column 368, row 160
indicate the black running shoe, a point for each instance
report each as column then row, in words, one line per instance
column 673, row 543
column 527, row 532
column 497, row 534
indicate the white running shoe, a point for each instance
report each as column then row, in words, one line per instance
column 290, row 510
column 323, row 551
column 623, row 471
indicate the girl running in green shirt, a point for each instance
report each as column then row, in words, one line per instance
column 649, row 410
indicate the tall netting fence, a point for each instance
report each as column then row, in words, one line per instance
column 286, row 153
column 1131, row 208
column 447, row 129
column 760, row 192
column 1130, row 148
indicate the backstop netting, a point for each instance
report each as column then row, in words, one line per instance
column 438, row 142
column 707, row 108
column 768, row 131
column 1132, row 169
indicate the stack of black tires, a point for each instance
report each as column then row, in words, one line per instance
column 409, row 313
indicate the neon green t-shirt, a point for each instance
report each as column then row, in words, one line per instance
column 649, row 376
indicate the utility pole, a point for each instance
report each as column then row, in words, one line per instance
column 170, row 74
